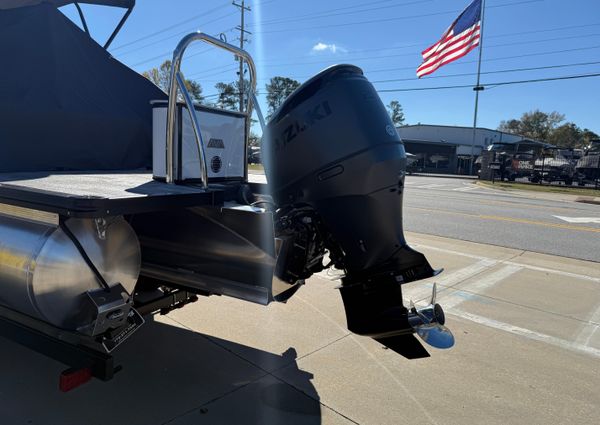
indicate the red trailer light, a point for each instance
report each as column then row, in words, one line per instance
column 72, row 378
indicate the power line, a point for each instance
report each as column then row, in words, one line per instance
column 544, row 40
column 495, row 59
column 335, row 12
column 170, row 27
column 500, row 71
column 164, row 54
column 510, row 34
column 178, row 34
column 539, row 80
column 181, row 32
column 501, row 35
column 276, row 20
column 502, row 83
column 220, row 68
column 373, row 21
column 327, row 13
column 414, row 53
column 488, row 60
column 167, row 53
column 487, row 85
column 545, row 30
column 262, row 3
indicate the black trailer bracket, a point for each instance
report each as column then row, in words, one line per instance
column 49, row 341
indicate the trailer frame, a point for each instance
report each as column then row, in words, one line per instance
column 77, row 351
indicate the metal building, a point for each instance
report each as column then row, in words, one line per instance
column 448, row 149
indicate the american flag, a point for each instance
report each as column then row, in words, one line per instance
column 458, row 40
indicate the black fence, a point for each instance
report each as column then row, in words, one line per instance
column 550, row 167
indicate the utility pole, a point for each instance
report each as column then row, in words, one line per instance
column 478, row 87
column 242, row 38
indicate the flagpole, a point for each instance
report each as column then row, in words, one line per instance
column 477, row 89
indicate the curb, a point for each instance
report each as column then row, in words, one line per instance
column 446, row 176
column 557, row 196
column 587, row 200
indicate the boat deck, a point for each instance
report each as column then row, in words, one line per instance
column 98, row 194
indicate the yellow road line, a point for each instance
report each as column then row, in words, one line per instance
column 519, row 204
column 529, row 206
column 511, row 219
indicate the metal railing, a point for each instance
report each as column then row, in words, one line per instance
column 177, row 82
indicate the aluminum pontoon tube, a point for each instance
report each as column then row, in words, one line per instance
column 43, row 275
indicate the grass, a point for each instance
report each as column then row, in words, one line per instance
column 255, row 167
column 541, row 188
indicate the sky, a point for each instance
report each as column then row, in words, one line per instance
column 297, row 39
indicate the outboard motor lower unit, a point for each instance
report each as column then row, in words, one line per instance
column 335, row 162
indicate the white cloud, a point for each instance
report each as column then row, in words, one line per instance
column 322, row 47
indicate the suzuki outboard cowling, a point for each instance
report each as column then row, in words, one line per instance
column 332, row 149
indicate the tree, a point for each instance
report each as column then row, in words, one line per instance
column 278, row 89
column 228, row 96
column 545, row 126
column 539, row 125
column 567, row 136
column 161, row 77
column 396, row 113
column 254, row 139
column 195, row 90
column 511, row 126
column 587, row 136
column 570, row 135
column 534, row 124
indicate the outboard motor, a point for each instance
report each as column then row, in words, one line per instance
column 336, row 166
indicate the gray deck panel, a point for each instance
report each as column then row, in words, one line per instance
column 99, row 194
column 125, row 184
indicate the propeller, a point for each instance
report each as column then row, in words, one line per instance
column 428, row 323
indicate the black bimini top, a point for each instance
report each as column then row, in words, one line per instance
column 67, row 104
column 14, row 4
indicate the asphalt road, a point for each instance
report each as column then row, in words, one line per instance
column 460, row 209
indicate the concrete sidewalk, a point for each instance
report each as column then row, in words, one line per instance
column 527, row 351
